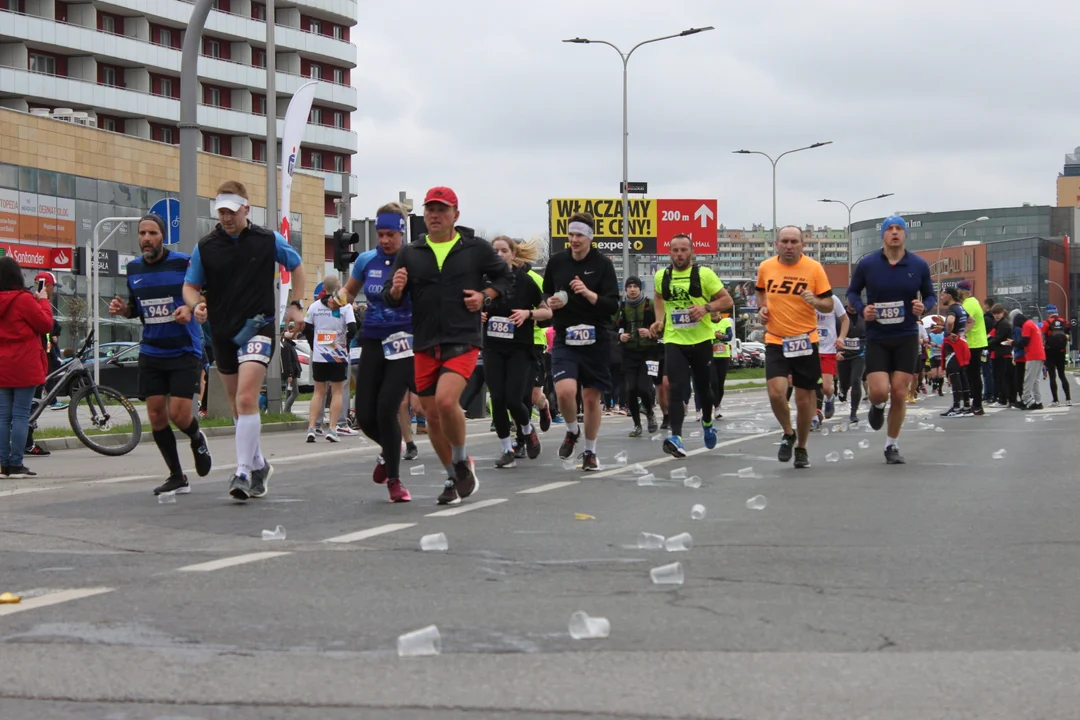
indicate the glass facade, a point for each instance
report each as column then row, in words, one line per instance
column 1016, row 270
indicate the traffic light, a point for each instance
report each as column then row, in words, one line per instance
column 344, row 255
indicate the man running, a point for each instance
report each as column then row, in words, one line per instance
column 955, row 353
column 977, row 342
column 236, row 264
column 893, row 279
column 685, row 295
column 582, row 289
column 791, row 289
column 640, row 365
column 832, row 328
column 443, row 276
column 170, row 354
column 1056, row 333
column 851, row 361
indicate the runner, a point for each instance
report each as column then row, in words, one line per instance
column 723, row 335
column 443, row 275
column 851, row 362
column 977, row 342
column 583, row 291
column 641, row 365
column 385, row 373
column 832, row 327
column 1056, row 333
column 509, row 322
column 684, row 296
column 893, row 280
column 330, row 326
column 541, row 364
column 236, row 264
column 170, row 354
column 791, row 289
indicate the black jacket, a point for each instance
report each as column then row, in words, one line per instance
column 439, row 315
column 290, row 359
column 598, row 274
column 524, row 294
column 1002, row 332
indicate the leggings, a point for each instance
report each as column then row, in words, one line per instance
column 679, row 362
column 508, row 370
column 961, row 391
column 639, row 384
column 974, row 378
column 381, row 386
column 292, row 391
column 719, row 377
column 849, row 374
column 1055, row 360
column 1003, row 379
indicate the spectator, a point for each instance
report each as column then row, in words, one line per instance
column 23, row 362
column 1031, row 340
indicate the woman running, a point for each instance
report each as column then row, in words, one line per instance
column 509, row 324
column 386, row 353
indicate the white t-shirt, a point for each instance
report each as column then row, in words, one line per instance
column 827, row 325
column 330, row 332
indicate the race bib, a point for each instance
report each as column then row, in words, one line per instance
column 257, row 349
column 852, row 343
column 680, row 320
column 823, row 332
column 398, row 346
column 798, row 346
column 354, row 354
column 719, row 348
column 325, row 338
column 581, row 335
column 500, row 327
column 890, row 313
column 652, row 367
column 157, row 310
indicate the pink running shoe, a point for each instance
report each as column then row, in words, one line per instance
column 398, row 492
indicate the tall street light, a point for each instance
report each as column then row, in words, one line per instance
column 769, row 157
column 850, row 254
column 946, row 241
column 626, row 132
column 1048, row 281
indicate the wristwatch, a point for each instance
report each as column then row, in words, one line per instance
column 487, row 300
column 296, row 304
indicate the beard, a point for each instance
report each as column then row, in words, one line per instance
column 152, row 254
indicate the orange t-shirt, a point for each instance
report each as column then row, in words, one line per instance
column 783, row 285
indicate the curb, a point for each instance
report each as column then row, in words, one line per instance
column 73, row 443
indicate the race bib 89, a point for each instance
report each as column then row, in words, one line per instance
column 257, row 349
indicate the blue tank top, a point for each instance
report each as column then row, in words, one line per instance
column 372, row 269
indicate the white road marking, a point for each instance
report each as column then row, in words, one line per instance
column 549, row 486
column 669, row 458
column 23, row 491
column 126, row 478
column 53, row 598
column 466, row 508
column 370, row 532
column 231, row 561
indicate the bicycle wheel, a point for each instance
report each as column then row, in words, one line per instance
column 102, row 408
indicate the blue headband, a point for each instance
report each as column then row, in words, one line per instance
column 390, row 221
column 893, row 220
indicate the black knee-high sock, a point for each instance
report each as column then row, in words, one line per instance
column 192, row 431
column 166, row 442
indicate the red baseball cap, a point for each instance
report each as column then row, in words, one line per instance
column 441, row 194
column 48, row 277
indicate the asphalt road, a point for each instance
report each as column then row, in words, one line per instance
column 944, row 588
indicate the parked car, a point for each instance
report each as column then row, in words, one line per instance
column 120, row 371
column 303, row 352
column 108, row 350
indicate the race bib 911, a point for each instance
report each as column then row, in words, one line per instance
column 398, row 346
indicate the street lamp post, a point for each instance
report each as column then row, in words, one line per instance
column 849, row 209
column 626, row 132
column 774, row 162
column 946, row 240
column 1048, row 281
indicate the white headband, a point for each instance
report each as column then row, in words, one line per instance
column 580, row 228
column 228, row 200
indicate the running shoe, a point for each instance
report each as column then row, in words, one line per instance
column 260, row 480
column 876, row 416
column 465, row 477
column 332, row 436
column 953, row 412
column 203, row 460
column 1035, row 406
column 506, row 460
column 346, row 430
column 841, row 396
column 636, row 432
column 239, row 487
column 449, row 495
column 558, row 420
column 830, row 408
column 545, row 419
column 175, row 484
column 21, row 472
column 37, row 451
column 708, row 433
column 411, row 452
column 718, row 415
column 802, row 458
column 379, row 475
column 311, row 436
column 652, row 426
column 398, row 492
column 893, row 456
column 318, row 430
column 1068, row 402
column 589, row 461
column 854, row 419
column 815, row 422
column 519, row 448
column 567, row 448
column 674, row 446
column 666, row 424
column 787, row 443
column 978, row 412
column 532, row 445
column 966, row 411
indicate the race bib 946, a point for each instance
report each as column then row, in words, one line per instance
column 157, row 310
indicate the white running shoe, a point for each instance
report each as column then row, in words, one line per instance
column 332, row 437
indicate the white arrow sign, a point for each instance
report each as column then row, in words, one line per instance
column 704, row 214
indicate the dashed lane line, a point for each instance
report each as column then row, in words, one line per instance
column 549, row 486
column 467, row 508
column 622, row 470
column 231, row 562
column 370, row 532
column 53, row 598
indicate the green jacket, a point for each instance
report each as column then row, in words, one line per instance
column 631, row 318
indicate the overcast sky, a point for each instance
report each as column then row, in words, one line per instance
column 949, row 104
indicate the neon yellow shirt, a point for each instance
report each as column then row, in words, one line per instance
column 442, row 249
column 681, row 330
column 976, row 336
column 722, row 327
column 539, row 335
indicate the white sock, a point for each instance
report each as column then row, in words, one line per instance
column 527, row 429
column 507, row 444
column 590, row 445
column 890, row 441
column 247, row 442
column 572, row 427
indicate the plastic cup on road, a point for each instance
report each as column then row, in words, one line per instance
column 667, row 574
column 863, row 444
column 638, row 470
column 166, row 498
column 583, row 627
column 569, row 464
column 697, row 512
column 646, row 480
column 692, row 482
column 832, row 457
column 849, row 454
column 416, row 470
column 621, row 457
column 650, row 541
column 758, row 502
column 678, row 473
column 277, row 533
column 999, row 454
column 419, row 643
column 746, row 472
column 434, row 543
column 679, row 543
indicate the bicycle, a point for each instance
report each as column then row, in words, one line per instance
column 102, row 407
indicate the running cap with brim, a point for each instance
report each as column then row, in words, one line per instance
column 953, row 292
column 229, row 201
column 893, row 220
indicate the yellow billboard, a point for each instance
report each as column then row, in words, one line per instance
column 608, row 215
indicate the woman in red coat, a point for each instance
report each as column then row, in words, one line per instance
column 24, row 318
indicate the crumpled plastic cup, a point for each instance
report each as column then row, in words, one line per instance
column 418, row 643
column 583, row 627
column 277, row 533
